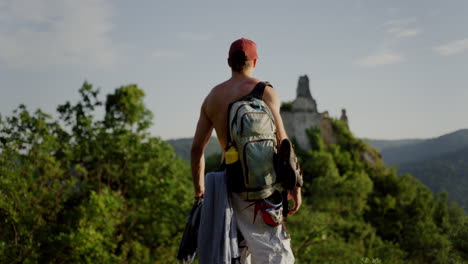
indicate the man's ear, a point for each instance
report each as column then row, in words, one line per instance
column 255, row 63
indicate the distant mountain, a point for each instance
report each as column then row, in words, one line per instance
column 440, row 163
column 400, row 152
column 381, row 144
column 182, row 147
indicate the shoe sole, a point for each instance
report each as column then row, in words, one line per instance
column 288, row 173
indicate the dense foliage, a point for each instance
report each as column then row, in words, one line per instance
column 286, row 106
column 79, row 189
column 82, row 190
column 356, row 207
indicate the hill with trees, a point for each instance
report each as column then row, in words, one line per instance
column 359, row 207
column 440, row 163
column 78, row 189
column 446, row 173
column 182, row 147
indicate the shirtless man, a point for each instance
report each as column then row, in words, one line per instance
column 213, row 114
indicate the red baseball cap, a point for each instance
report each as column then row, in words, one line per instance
column 247, row 46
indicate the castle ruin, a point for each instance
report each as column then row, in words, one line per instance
column 303, row 114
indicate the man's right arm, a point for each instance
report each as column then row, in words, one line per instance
column 271, row 98
column 197, row 157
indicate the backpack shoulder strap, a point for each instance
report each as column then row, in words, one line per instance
column 258, row 91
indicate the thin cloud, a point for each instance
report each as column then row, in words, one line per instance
column 380, row 59
column 194, row 36
column 402, row 28
column 396, row 31
column 453, row 47
column 400, row 22
column 404, row 32
column 49, row 33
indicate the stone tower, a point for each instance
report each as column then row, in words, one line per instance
column 304, row 100
column 344, row 117
column 302, row 115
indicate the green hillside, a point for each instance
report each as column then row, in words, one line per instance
column 358, row 207
column 440, row 163
column 79, row 189
column 446, row 173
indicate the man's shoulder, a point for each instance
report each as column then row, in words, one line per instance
column 216, row 91
column 231, row 88
column 220, row 86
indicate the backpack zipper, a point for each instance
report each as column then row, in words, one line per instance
column 235, row 116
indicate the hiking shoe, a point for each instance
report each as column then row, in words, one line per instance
column 289, row 169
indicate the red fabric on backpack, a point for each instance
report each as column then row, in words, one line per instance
column 271, row 213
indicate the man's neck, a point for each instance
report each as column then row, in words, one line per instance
column 242, row 75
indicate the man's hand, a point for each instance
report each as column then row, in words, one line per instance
column 199, row 194
column 296, row 196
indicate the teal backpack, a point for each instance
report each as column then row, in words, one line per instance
column 252, row 132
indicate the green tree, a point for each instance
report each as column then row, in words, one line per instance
column 78, row 189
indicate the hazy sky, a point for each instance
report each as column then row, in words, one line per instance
column 400, row 68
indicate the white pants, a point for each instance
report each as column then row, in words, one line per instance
column 265, row 244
